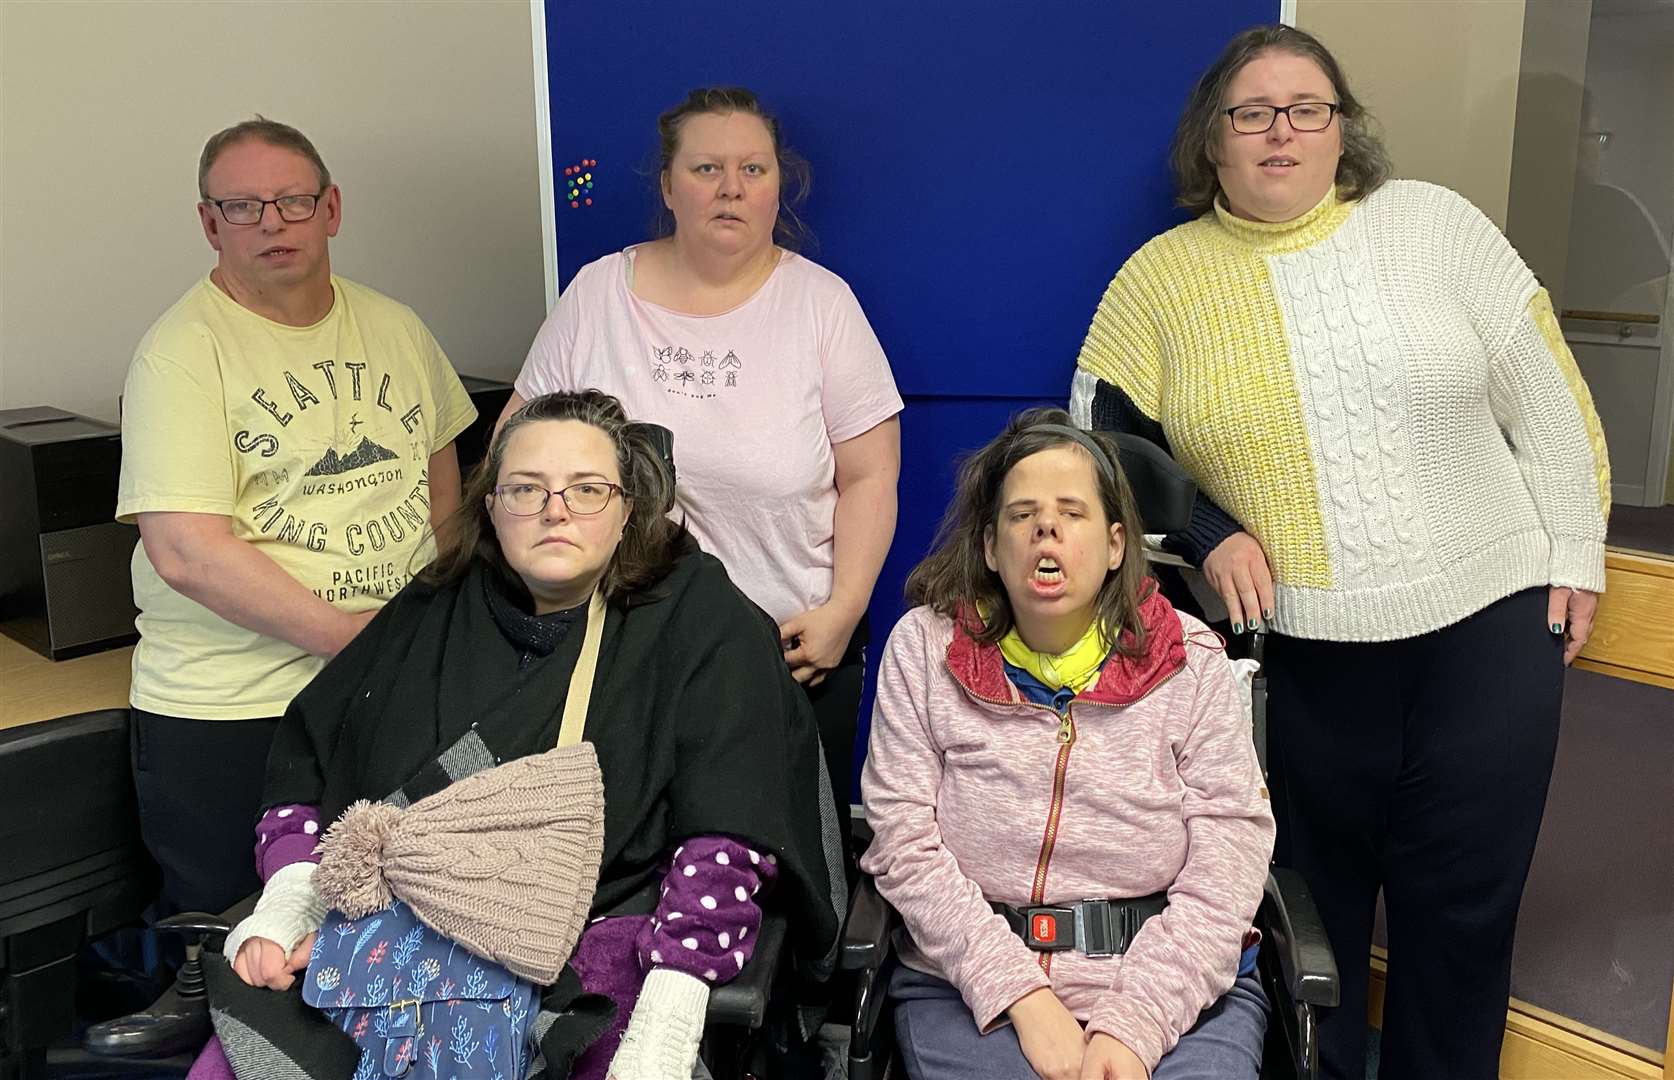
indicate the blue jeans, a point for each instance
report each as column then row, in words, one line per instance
column 939, row 1038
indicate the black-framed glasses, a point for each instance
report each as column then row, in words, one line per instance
column 584, row 499
column 1303, row 116
column 292, row 208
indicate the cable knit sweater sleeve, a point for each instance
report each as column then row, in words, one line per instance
column 1118, row 387
column 1535, row 389
column 1124, row 345
column 943, row 910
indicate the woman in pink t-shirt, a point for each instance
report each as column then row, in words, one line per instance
column 761, row 362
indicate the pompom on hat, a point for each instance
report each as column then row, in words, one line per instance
column 505, row 861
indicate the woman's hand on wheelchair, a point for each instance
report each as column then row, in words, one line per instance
column 1051, row 1037
column 261, row 962
column 1108, row 1058
column 1237, row 569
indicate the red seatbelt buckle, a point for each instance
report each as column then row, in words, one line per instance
column 1049, row 929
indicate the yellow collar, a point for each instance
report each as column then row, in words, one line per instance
column 1076, row 667
column 1293, row 235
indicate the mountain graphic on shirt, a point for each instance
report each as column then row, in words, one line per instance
column 367, row 453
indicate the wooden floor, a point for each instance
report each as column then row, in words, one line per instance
column 34, row 688
column 1544, row 1046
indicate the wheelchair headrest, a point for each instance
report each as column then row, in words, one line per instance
column 1161, row 488
column 663, row 439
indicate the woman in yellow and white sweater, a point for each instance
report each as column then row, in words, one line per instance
column 1402, row 477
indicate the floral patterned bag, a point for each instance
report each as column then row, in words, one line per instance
column 418, row 1004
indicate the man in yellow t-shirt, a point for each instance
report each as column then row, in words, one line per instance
column 287, row 449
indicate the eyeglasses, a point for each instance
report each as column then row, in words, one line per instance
column 292, row 208
column 584, row 499
column 1303, row 116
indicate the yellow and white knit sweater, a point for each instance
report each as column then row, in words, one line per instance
column 1378, row 391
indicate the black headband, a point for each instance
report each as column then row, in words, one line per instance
column 1101, row 459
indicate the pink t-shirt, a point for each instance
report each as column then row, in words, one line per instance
column 755, row 396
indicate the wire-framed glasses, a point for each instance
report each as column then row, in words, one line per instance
column 584, row 499
column 292, row 208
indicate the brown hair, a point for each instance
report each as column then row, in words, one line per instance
column 1361, row 170
column 796, row 176
column 271, row 132
column 650, row 541
column 954, row 578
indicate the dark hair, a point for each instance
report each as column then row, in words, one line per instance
column 954, row 578
column 796, row 176
column 264, row 130
column 650, row 541
column 1361, row 170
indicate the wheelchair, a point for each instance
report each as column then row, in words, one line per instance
column 1295, row 962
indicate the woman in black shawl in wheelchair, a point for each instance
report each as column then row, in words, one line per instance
column 475, row 836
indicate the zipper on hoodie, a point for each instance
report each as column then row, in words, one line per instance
column 1055, row 809
column 1054, row 813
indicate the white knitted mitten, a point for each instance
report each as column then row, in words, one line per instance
column 288, row 911
column 661, row 1042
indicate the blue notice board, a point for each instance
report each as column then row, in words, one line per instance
column 981, row 169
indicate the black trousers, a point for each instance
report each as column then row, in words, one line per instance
column 199, row 784
column 1419, row 766
column 836, row 703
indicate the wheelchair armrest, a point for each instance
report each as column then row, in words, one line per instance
column 743, row 1001
column 1289, row 917
column 866, row 933
column 867, row 952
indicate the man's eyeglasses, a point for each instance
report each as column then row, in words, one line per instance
column 292, row 208
column 1303, row 116
column 584, row 499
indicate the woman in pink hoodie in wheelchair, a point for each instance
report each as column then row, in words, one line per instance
column 1068, row 811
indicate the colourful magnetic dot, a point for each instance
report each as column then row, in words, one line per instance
column 573, row 205
column 589, row 186
column 589, row 202
column 589, row 176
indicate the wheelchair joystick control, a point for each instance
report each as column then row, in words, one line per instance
column 177, row 1022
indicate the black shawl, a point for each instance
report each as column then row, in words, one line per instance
column 698, row 726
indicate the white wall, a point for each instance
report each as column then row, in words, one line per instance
column 423, row 111
column 1441, row 78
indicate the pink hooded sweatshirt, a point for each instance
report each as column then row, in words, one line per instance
column 1150, row 783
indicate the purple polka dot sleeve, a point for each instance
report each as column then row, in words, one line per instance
column 707, row 920
column 286, row 834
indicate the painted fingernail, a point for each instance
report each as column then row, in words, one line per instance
column 1237, row 628
column 1557, row 628
column 1267, row 615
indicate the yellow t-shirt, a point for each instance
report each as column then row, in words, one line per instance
column 315, row 440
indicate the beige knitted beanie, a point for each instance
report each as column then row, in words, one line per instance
column 504, row 862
